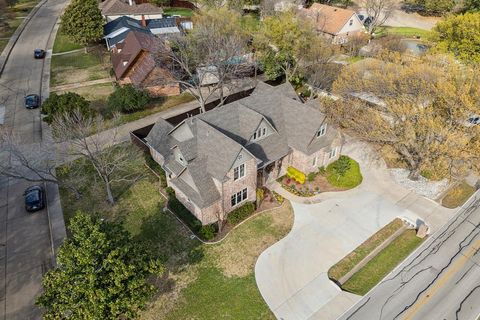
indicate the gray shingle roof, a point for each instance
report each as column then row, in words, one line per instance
column 219, row 136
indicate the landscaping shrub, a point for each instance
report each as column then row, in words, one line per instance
column 128, row 99
column 296, row 175
column 183, row 213
column 60, row 104
column 170, row 192
column 350, row 178
column 278, row 197
column 208, row 232
column 241, row 213
column 311, row 176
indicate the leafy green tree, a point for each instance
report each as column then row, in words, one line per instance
column 341, row 166
column 459, row 35
column 472, row 5
column 64, row 104
column 280, row 43
column 128, row 99
column 83, row 22
column 101, row 274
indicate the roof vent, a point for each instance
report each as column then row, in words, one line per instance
column 125, row 62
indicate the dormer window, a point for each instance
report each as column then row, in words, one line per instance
column 351, row 21
column 260, row 133
column 322, row 131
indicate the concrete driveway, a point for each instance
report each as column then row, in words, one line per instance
column 323, row 233
column 292, row 274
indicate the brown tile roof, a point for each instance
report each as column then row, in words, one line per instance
column 134, row 44
column 328, row 19
column 121, row 7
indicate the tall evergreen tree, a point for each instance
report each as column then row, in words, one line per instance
column 101, row 274
column 83, row 22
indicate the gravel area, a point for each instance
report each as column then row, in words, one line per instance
column 424, row 187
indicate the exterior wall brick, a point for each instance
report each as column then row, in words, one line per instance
column 157, row 156
column 249, row 181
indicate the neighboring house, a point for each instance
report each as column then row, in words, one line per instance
column 114, row 9
column 335, row 23
column 216, row 160
column 116, row 31
column 134, row 63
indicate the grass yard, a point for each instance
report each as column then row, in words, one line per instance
column 344, row 266
column 79, row 67
column 3, row 44
column 201, row 281
column 383, row 263
column 351, row 179
column 251, row 22
column 63, row 43
column 222, row 284
column 13, row 16
column 407, row 32
column 458, row 195
column 157, row 105
column 183, row 12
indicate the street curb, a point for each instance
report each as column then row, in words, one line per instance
column 16, row 35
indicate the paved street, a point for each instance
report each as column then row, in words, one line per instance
column 441, row 280
column 25, row 239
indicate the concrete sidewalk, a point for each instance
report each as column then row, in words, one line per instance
column 292, row 274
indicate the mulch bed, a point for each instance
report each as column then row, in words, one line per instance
column 318, row 185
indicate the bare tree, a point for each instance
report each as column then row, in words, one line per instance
column 112, row 163
column 379, row 11
column 207, row 60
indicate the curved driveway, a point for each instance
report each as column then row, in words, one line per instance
column 25, row 239
column 292, row 274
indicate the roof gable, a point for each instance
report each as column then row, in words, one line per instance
column 329, row 19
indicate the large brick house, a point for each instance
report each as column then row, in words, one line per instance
column 215, row 161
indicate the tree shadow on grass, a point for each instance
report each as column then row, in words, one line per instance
column 165, row 239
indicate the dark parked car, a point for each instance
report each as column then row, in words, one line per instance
column 32, row 101
column 34, row 198
column 39, row 53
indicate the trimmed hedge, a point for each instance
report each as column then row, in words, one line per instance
column 241, row 213
column 183, row 213
column 207, row 232
column 296, row 175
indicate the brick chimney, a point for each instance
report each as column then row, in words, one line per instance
column 144, row 23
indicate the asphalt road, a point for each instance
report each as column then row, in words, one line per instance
column 25, row 239
column 439, row 281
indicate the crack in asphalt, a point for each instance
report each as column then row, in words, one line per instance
column 464, row 300
column 430, row 250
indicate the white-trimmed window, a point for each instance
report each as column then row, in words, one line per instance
column 332, row 153
column 260, row 133
column 239, row 172
column 322, row 131
column 314, row 162
column 239, row 197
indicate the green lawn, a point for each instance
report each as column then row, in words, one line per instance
column 21, row 9
column 184, row 12
column 351, row 179
column 63, row 43
column 458, row 195
column 383, row 263
column 79, row 67
column 251, row 22
column 344, row 266
column 3, row 44
column 202, row 281
column 407, row 32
